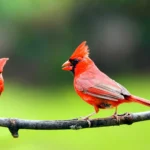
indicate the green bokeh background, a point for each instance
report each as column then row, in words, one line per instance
column 39, row 35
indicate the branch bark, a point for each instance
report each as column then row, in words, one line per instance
column 14, row 124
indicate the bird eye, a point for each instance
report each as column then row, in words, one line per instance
column 74, row 61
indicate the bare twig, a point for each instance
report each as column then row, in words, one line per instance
column 15, row 124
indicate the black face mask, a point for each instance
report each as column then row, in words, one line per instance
column 73, row 62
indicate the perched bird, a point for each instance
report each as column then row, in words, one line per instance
column 2, row 64
column 95, row 87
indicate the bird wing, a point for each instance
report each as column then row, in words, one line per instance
column 100, row 86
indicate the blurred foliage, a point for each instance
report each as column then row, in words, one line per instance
column 39, row 35
column 35, row 103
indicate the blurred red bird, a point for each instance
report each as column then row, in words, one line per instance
column 95, row 87
column 2, row 64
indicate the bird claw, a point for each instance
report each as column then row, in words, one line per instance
column 117, row 117
column 86, row 119
column 127, row 114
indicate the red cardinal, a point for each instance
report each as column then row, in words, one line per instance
column 95, row 87
column 2, row 64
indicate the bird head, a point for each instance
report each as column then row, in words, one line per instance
column 80, row 53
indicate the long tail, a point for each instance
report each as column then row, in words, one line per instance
column 139, row 100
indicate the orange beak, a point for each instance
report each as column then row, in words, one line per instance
column 67, row 66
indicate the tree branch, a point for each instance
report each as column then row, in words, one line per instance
column 15, row 124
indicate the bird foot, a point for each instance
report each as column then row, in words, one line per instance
column 87, row 119
column 125, row 114
column 117, row 117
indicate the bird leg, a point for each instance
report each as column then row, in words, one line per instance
column 88, row 116
column 115, row 115
column 85, row 117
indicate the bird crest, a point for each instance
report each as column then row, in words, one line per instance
column 81, row 51
column 2, row 63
